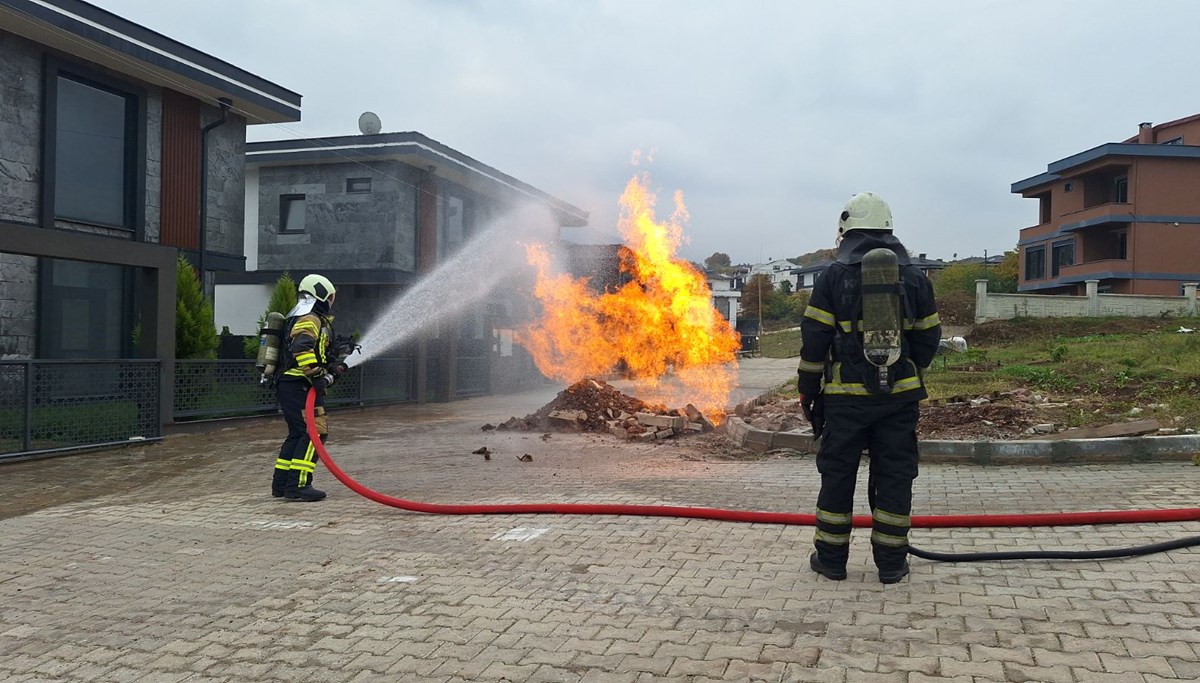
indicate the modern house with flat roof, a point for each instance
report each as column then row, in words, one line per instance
column 1126, row 214
column 120, row 148
column 374, row 213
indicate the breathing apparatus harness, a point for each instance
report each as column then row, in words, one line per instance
column 275, row 338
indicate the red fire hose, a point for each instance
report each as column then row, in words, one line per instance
column 861, row 521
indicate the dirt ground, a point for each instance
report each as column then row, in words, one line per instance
column 999, row 416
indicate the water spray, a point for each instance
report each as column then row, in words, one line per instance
column 464, row 279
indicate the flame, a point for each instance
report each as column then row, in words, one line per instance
column 661, row 324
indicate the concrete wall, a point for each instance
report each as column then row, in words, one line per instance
column 989, row 306
column 373, row 230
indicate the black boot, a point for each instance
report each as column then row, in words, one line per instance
column 814, row 563
column 279, row 483
column 892, row 562
column 893, row 575
column 304, row 494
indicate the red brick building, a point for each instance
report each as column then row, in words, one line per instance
column 1124, row 213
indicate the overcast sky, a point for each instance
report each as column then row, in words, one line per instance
column 767, row 115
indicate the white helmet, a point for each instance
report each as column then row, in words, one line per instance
column 318, row 286
column 865, row 211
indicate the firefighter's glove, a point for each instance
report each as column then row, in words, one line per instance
column 323, row 382
column 814, row 412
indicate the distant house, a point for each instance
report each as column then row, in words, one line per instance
column 806, row 276
column 778, row 270
column 725, row 297
column 373, row 213
column 120, row 148
column 1126, row 214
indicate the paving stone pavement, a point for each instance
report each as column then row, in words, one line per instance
column 173, row 563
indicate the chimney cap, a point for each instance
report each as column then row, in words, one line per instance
column 1145, row 124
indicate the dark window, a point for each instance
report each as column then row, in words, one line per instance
column 291, row 213
column 1044, row 208
column 1121, row 190
column 94, row 153
column 1067, row 187
column 1123, row 245
column 1035, row 263
column 1174, row 141
column 84, row 310
column 355, row 185
column 1063, row 254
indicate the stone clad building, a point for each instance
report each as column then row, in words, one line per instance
column 105, row 174
column 374, row 213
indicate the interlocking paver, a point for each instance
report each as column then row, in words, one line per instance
column 196, row 575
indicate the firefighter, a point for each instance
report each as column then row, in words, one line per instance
column 305, row 362
column 870, row 401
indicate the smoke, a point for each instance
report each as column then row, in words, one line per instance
column 493, row 255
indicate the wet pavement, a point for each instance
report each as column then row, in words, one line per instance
column 171, row 562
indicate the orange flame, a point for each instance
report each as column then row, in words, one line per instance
column 661, row 324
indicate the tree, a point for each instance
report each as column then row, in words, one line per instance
column 756, row 286
column 798, row 302
column 961, row 277
column 283, row 299
column 1008, row 274
column 195, row 331
column 718, row 262
column 785, row 287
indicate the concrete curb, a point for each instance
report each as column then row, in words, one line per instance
column 1024, row 452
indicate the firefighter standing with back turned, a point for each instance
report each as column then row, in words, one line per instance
column 306, row 361
column 870, row 329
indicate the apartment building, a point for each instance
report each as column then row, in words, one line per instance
column 1124, row 213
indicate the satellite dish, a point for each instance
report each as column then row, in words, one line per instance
column 369, row 123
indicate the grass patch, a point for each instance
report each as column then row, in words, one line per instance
column 1114, row 363
column 785, row 344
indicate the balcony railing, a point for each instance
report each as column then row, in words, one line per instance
column 1101, row 214
column 1121, row 267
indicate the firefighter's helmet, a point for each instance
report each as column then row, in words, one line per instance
column 318, row 286
column 865, row 211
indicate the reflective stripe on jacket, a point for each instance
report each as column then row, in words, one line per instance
column 308, row 344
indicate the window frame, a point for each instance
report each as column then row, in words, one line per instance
column 135, row 144
column 1119, row 183
column 284, row 202
column 1040, row 251
column 1055, row 265
column 350, row 189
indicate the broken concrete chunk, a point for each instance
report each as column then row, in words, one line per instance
column 661, row 421
column 695, row 415
column 664, row 433
column 568, row 416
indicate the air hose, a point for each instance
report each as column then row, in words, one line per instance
column 798, row 519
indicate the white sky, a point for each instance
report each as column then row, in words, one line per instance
column 768, row 115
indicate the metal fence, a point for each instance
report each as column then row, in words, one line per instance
column 57, row 405
column 208, row 389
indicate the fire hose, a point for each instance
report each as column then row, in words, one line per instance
column 799, row 519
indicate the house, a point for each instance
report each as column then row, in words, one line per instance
column 116, row 144
column 374, row 213
column 778, row 270
column 725, row 297
column 1126, row 214
column 806, row 276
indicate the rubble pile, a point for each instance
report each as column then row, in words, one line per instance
column 596, row 406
